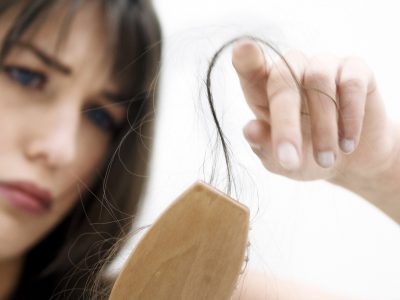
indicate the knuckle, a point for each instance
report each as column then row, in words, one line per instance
column 321, row 68
column 352, row 84
column 355, row 61
column 356, row 74
column 317, row 75
column 323, row 130
column 285, row 74
column 288, row 65
column 295, row 55
column 279, row 73
column 274, row 91
column 284, row 124
column 350, row 115
column 281, row 81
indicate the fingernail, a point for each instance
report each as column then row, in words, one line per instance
column 326, row 159
column 288, row 157
column 347, row 145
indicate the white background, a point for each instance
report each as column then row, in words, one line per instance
column 310, row 231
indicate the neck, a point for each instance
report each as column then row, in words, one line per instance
column 9, row 274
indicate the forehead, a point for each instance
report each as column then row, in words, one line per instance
column 75, row 35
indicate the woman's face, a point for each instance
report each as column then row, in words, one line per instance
column 46, row 136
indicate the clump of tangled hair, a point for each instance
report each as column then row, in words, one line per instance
column 221, row 139
column 69, row 262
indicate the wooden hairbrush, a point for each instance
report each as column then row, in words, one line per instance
column 194, row 250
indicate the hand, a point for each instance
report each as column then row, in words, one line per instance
column 307, row 138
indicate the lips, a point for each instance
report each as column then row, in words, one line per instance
column 26, row 196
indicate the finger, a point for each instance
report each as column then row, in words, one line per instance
column 354, row 80
column 250, row 65
column 284, row 101
column 320, row 88
column 258, row 135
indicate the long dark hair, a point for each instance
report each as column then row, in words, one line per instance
column 65, row 262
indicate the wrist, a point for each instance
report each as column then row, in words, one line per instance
column 379, row 185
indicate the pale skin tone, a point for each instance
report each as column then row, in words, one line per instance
column 56, row 152
column 371, row 168
column 356, row 148
column 47, row 136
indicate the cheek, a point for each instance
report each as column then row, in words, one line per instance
column 20, row 231
column 8, row 113
column 92, row 149
column 16, row 116
column 12, row 162
column 79, row 177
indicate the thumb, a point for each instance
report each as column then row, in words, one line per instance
column 258, row 135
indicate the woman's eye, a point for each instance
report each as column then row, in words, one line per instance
column 101, row 118
column 26, row 77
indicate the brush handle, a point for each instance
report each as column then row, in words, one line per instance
column 195, row 250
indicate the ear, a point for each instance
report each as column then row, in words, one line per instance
column 195, row 250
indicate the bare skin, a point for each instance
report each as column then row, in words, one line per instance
column 48, row 136
column 355, row 147
column 323, row 144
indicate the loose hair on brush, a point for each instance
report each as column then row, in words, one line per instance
column 64, row 263
column 68, row 263
column 221, row 138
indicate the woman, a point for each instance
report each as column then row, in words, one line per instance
column 77, row 78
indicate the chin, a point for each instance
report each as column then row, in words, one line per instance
column 17, row 234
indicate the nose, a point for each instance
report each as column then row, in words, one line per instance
column 54, row 138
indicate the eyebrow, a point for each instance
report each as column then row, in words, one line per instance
column 45, row 58
column 114, row 97
column 56, row 64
